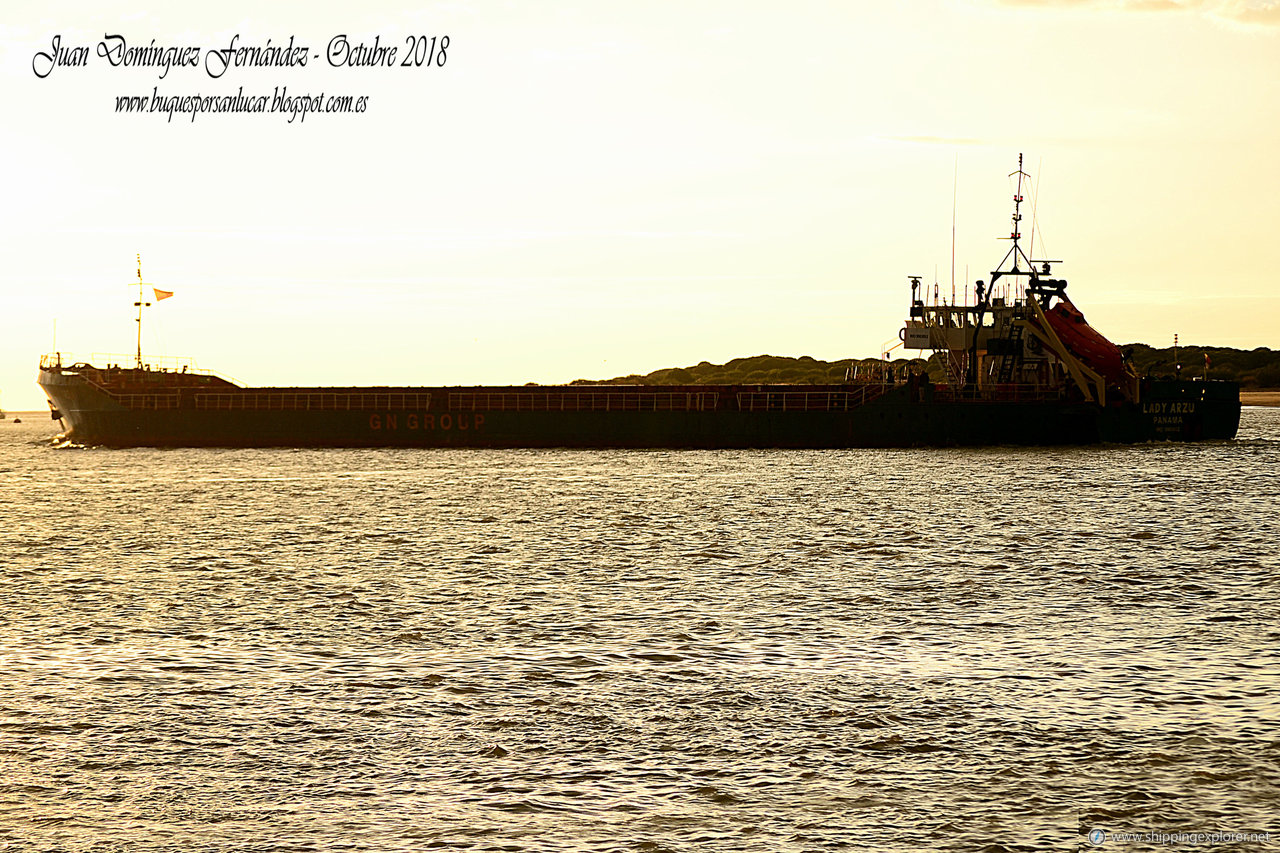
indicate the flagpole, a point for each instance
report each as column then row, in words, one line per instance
column 139, row 305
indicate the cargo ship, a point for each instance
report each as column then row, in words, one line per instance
column 1017, row 364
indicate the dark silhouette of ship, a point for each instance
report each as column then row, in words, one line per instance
column 1020, row 365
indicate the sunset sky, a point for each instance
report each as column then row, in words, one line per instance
column 589, row 188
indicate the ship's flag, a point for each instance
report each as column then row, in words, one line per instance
column 162, row 294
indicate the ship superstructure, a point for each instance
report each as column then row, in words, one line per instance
column 1030, row 341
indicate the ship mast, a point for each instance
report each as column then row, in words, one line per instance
column 1038, row 282
column 1015, row 251
column 140, row 304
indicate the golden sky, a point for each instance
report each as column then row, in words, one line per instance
column 589, row 188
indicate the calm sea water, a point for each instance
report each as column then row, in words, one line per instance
column 997, row 649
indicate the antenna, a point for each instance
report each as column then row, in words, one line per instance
column 955, row 181
column 1035, row 203
column 140, row 304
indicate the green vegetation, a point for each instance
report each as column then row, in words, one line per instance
column 1256, row 368
column 1259, row 368
column 758, row 370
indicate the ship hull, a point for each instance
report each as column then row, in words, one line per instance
column 906, row 415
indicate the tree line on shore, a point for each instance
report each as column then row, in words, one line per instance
column 1253, row 369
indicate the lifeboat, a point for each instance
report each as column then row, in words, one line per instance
column 1086, row 343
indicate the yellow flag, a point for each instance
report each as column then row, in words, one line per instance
column 162, row 294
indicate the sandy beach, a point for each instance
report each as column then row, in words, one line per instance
column 1260, row 398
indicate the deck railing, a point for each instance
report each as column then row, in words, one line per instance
column 314, row 401
column 113, row 362
column 579, row 401
column 809, row 401
column 1002, row 393
column 148, row 401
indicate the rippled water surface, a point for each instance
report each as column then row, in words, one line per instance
column 999, row 649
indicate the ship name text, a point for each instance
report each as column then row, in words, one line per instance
column 1169, row 408
column 444, row 422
